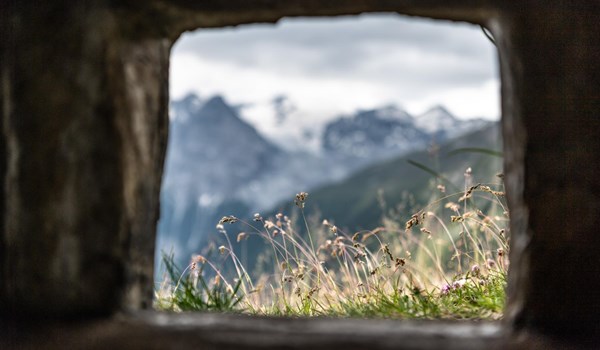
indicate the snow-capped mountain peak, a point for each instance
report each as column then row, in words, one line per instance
column 436, row 119
column 181, row 110
column 392, row 112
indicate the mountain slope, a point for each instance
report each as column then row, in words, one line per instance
column 212, row 155
column 218, row 164
column 353, row 203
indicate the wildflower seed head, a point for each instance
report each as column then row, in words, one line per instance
column 230, row 219
column 468, row 172
column 441, row 188
column 416, row 219
column 222, row 249
column 334, row 229
column 199, row 259
column 458, row 218
column 500, row 252
column 257, row 217
column 325, row 222
column 279, row 216
column 475, row 270
column 469, row 192
column 269, row 224
column 300, row 199
column 241, row 236
column 452, row 206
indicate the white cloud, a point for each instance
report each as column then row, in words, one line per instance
column 327, row 67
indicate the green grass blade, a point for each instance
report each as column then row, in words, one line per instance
column 486, row 151
column 434, row 173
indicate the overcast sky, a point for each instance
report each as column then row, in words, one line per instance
column 328, row 66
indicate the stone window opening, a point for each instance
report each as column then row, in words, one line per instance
column 192, row 161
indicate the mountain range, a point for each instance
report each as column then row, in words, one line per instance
column 218, row 164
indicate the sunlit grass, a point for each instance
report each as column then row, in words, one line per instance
column 448, row 260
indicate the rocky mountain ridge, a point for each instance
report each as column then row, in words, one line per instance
column 218, row 164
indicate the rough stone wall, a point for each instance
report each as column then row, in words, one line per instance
column 551, row 121
column 84, row 93
column 84, row 129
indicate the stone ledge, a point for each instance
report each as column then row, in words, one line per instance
column 153, row 330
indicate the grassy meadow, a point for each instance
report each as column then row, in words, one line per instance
column 447, row 261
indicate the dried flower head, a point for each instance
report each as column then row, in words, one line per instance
column 269, row 224
column 469, row 192
column 458, row 218
column 300, row 199
column 222, row 249
column 416, row 219
column 241, row 236
column 229, row 219
column 199, row 259
column 452, row 206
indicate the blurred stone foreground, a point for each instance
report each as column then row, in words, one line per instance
column 84, row 95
